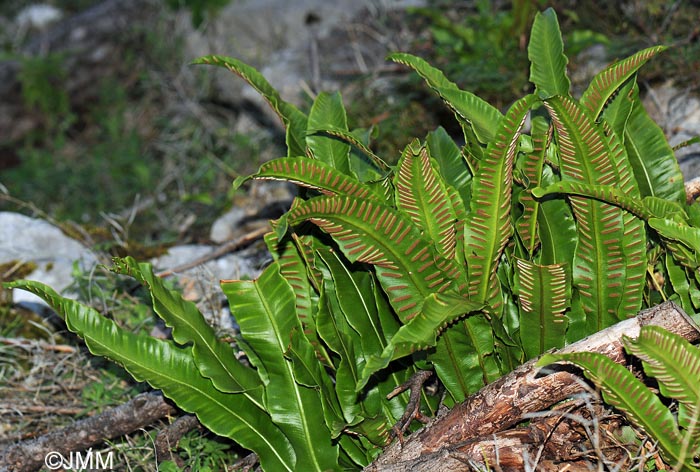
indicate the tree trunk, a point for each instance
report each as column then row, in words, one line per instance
column 474, row 432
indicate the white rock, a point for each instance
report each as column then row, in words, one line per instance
column 26, row 239
column 202, row 283
column 38, row 16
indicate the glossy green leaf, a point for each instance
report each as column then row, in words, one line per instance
column 687, row 236
column 532, row 170
column 311, row 174
column 675, row 364
column 421, row 331
column 621, row 389
column 544, row 294
column 452, row 164
column 172, row 369
column 651, row 157
column 422, row 195
column 294, row 120
column 465, row 357
column 215, row 359
column 328, row 110
column 366, row 231
column 265, row 311
column 470, row 109
column 546, row 54
column 599, row 269
column 488, row 226
column 608, row 81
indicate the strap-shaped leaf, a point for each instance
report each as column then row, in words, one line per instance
column 265, row 311
column 215, row 359
column 361, row 167
column 310, row 173
column 532, row 170
column 328, row 110
column 675, row 364
column 465, row 357
column 546, row 54
column 599, row 270
column 651, row 157
column 470, row 109
column 353, row 326
column 172, row 369
column 367, row 231
column 488, row 225
column 648, row 207
column 293, row 267
column 422, row 195
column 452, row 164
column 421, row 332
column 688, row 237
column 293, row 119
column 622, row 390
column 544, row 294
column 606, row 82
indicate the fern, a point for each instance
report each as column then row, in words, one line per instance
column 463, row 259
column 676, row 365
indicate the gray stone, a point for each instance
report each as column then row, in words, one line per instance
column 201, row 284
column 25, row 239
column 678, row 113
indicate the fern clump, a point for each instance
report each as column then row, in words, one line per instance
column 544, row 227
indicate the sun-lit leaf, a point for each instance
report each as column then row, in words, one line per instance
column 547, row 59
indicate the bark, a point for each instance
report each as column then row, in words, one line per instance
column 138, row 412
column 444, row 444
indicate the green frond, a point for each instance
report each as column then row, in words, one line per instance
column 621, row 389
column 367, row 231
column 608, row 81
column 546, row 54
column 488, row 226
column 544, row 294
column 313, row 174
column 675, row 364
column 422, row 195
column 328, row 110
column 294, row 120
column 471, row 110
column 172, row 369
column 265, row 309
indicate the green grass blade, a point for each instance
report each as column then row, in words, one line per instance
column 173, row 370
column 651, row 157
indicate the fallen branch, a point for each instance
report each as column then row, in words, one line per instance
column 222, row 250
column 506, row 402
column 140, row 411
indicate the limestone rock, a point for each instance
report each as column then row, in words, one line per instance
column 26, row 239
